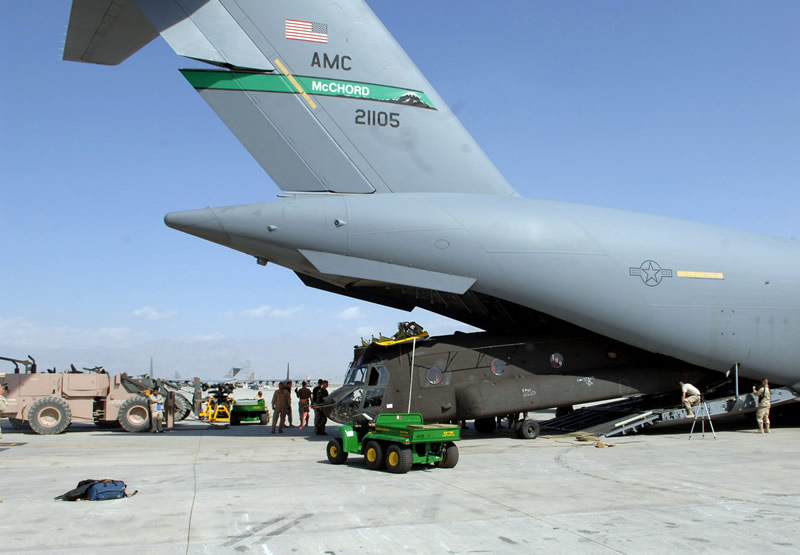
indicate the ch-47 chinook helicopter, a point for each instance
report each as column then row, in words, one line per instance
column 479, row 376
column 388, row 199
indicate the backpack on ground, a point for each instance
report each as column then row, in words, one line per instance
column 97, row 490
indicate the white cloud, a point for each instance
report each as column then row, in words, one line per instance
column 150, row 313
column 258, row 312
column 352, row 313
column 286, row 312
column 21, row 333
column 266, row 310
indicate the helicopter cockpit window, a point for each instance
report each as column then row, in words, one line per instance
column 378, row 375
column 355, row 376
column 374, row 375
column 374, row 397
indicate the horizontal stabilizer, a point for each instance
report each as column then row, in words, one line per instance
column 360, row 268
column 204, row 30
column 106, row 32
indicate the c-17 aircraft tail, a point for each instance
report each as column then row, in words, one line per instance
column 319, row 92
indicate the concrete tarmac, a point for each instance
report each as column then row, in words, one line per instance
column 245, row 490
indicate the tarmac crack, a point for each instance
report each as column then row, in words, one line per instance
column 194, row 494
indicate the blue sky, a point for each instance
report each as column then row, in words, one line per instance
column 683, row 109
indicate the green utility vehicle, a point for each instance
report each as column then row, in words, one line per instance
column 396, row 441
column 249, row 410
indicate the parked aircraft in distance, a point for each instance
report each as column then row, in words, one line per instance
column 387, row 198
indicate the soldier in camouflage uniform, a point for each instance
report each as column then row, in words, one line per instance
column 281, row 404
column 690, row 397
column 762, row 412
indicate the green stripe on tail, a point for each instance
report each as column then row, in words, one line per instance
column 275, row 82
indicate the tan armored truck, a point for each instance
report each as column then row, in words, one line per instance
column 50, row 402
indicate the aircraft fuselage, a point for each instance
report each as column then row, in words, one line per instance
column 706, row 295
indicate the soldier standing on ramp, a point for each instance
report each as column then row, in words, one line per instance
column 762, row 412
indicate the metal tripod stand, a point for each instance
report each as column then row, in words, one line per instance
column 703, row 417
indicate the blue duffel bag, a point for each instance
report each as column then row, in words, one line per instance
column 106, row 489
column 97, row 490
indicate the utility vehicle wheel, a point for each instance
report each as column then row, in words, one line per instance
column 373, row 455
column 529, row 429
column 485, row 425
column 183, row 407
column 399, row 459
column 336, row 455
column 450, row 456
column 134, row 414
column 49, row 415
column 263, row 418
column 107, row 424
column 19, row 424
column 235, row 419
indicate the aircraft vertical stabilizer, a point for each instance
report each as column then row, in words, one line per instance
column 321, row 95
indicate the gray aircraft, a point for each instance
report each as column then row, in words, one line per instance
column 387, row 198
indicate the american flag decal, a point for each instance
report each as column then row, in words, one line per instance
column 307, row 31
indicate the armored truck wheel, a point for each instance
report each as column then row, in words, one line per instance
column 373, row 455
column 134, row 414
column 529, row 429
column 399, row 459
column 450, row 456
column 49, row 415
column 336, row 455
